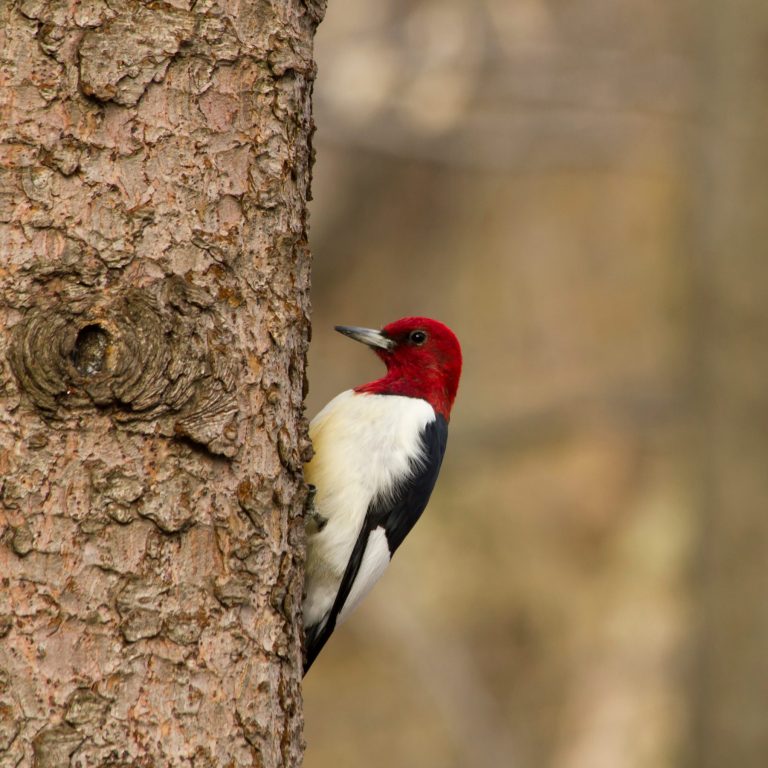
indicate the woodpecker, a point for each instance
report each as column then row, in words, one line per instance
column 378, row 450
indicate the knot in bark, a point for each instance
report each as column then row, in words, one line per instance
column 142, row 355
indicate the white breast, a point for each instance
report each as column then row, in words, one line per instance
column 363, row 444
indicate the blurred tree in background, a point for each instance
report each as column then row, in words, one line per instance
column 579, row 190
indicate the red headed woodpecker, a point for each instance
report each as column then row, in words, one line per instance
column 378, row 450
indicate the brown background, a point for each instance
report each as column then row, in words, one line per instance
column 579, row 189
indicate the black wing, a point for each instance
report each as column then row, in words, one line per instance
column 397, row 514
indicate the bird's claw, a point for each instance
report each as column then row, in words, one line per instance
column 314, row 522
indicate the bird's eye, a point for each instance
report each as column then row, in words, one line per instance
column 417, row 337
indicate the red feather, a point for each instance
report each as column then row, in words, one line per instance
column 430, row 370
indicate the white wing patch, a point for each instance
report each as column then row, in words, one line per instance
column 375, row 562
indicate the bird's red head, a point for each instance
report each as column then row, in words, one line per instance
column 423, row 359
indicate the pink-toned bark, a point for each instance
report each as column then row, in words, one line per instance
column 154, row 175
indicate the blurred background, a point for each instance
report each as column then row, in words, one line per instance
column 580, row 190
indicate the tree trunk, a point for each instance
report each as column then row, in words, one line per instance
column 730, row 387
column 153, row 328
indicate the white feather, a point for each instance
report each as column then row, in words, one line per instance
column 364, row 443
column 375, row 562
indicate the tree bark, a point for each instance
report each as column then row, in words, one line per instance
column 153, row 329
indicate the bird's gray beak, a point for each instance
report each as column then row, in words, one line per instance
column 366, row 336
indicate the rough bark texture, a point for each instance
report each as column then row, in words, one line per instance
column 154, row 275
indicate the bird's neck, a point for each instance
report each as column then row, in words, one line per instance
column 428, row 385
